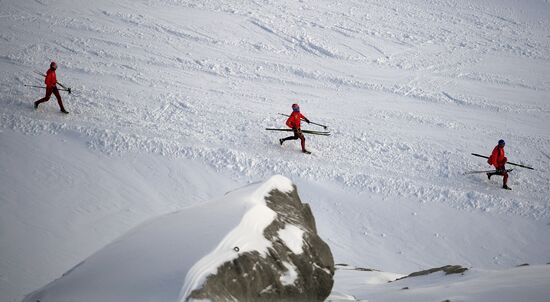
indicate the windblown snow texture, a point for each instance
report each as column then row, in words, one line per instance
column 170, row 99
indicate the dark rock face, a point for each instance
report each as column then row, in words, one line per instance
column 253, row 277
column 447, row 269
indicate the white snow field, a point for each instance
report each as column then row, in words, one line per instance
column 170, row 102
column 528, row 283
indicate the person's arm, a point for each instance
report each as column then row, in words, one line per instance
column 504, row 159
column 493, row 157
column 289, row 122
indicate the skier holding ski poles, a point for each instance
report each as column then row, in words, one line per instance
column 498, row 159
column 294, row 122
column 51, row 87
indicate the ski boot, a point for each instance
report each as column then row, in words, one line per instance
column 506, row 187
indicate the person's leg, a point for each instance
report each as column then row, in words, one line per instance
column 294, row 137
column 303, row 141
column 502, row 172
column 291, row 138
column 287, row 139
column 44, row 99
column 59, row 101
column 505, row 180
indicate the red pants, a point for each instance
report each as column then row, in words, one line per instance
column 297, row 135
column 502, row 172
column 49, row 91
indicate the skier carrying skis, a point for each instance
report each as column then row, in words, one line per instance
column 498, row 159
column 51, row 82
column 294, row 122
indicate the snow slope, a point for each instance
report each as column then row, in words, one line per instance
column 171, row 98
column 529, row 283
column 167, row 258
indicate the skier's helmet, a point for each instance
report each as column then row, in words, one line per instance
column 53, row 65
column 501, row 142
column 295, row 108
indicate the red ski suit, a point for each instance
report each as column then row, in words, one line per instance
column 294, row 122
column 51, row 79
column 51, row 88
column 295, row 119
column 498, row 159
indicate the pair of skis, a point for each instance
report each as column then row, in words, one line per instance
column 486, row 171
column 508, row 163
column 495, row 171
column 324, row 133
column 312, row 132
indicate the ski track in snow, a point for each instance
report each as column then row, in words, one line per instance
column 408, row 88
column 162, row 94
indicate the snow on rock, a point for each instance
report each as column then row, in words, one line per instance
column 221, row 250
column 292, row 236
column 298, row 264
column 290, row 276
column 246, row 237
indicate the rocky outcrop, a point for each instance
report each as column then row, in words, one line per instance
column 297, row 267
column 257, row 243
column 447, row 269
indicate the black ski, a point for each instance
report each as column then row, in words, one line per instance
column 325, row 133
column 508, row 163
column 486, row 171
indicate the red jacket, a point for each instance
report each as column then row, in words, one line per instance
column 497, row 158
column 51, row 79
column 295, row 119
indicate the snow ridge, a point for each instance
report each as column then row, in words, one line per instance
column 247, row 236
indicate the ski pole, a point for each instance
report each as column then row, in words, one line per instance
column 325, row 127
column 509, row 163
column 43, row 87
column 64, row 87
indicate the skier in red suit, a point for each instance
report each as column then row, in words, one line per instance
column 51, row 87
column 294, row 122
column 498, row 159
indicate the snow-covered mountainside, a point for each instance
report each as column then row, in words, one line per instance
column 170, row 99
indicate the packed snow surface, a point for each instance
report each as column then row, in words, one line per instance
column 170, row 99
column 528, row 283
